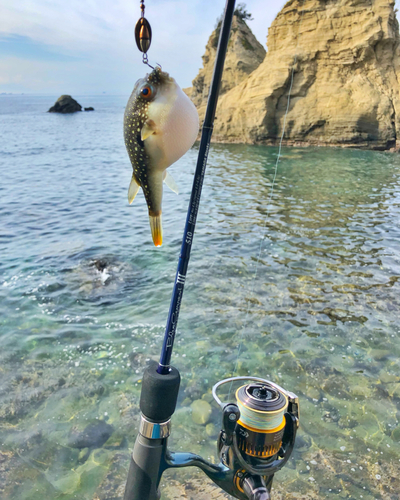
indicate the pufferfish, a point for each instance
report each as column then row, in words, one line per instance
column 160, row 125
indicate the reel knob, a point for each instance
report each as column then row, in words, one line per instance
column 230, row 418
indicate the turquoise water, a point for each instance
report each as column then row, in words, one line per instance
column 317, row 312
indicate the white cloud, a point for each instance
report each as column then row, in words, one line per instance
column 101, row 33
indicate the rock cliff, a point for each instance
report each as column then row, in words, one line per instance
column 345, row 89
column 243, row 56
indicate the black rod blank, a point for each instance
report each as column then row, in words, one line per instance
column 198, row 179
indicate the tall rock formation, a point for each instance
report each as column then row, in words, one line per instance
column 243, row 56
column 344, row 91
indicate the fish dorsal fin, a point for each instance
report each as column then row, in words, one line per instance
column 148, row 129
column 133, row 189
column 169, row 181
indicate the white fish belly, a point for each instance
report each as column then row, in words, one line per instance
column 181, row 127
column 177, row 126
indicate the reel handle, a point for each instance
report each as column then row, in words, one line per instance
column 230, row 416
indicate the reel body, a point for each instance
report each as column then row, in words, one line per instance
column 258, row 434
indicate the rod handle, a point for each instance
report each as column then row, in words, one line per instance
column 159, row 393
column 145, row 470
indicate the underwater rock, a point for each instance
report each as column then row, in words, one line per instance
column 197, row 489
column 112, row 486
column 93, row 436
column 65, row 104
column 83, row 454
column 396, row 434
column 345, row 57
column 204, row 489
column 211, row 430
column 8, row 463
column 100, row 264
column 194, row 390
column 201, row 411
column 93, row 276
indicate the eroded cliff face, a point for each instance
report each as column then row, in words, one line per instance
column 345, row 88
column 243, row 56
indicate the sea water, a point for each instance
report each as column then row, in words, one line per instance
column 301, row 286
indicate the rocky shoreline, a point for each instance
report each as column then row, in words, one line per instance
column 390, row 148
column 340, row 62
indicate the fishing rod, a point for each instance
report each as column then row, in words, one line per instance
column 258, row 429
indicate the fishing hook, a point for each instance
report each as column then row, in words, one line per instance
column 145, row 60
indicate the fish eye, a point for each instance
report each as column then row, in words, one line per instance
column 146, row 91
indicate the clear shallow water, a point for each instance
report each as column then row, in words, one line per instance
column 320, row 317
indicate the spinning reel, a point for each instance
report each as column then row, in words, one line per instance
column 257, row 436
column 256, row 440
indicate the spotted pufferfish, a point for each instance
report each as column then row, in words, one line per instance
column 160, row 125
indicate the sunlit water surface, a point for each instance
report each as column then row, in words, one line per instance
column 306, row 284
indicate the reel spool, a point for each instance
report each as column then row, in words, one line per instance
column 262, row 422
column 258, row 432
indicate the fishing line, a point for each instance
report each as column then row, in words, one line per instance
column 269, row 203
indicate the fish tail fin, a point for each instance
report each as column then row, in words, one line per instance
column 156, row 229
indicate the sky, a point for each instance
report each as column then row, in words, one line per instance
column 88, row 46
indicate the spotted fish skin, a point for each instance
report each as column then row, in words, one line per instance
column 160, row 125
column 136, row 114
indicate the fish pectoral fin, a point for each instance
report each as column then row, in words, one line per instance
column 148, row 129
column 169, row 181
column 156, row 229
column 133, row 189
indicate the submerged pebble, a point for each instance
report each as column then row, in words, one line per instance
column 93, row 436
column 201, row 411
column 211, row 430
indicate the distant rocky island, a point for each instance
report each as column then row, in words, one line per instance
column 345, row 58
column 66, row 104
